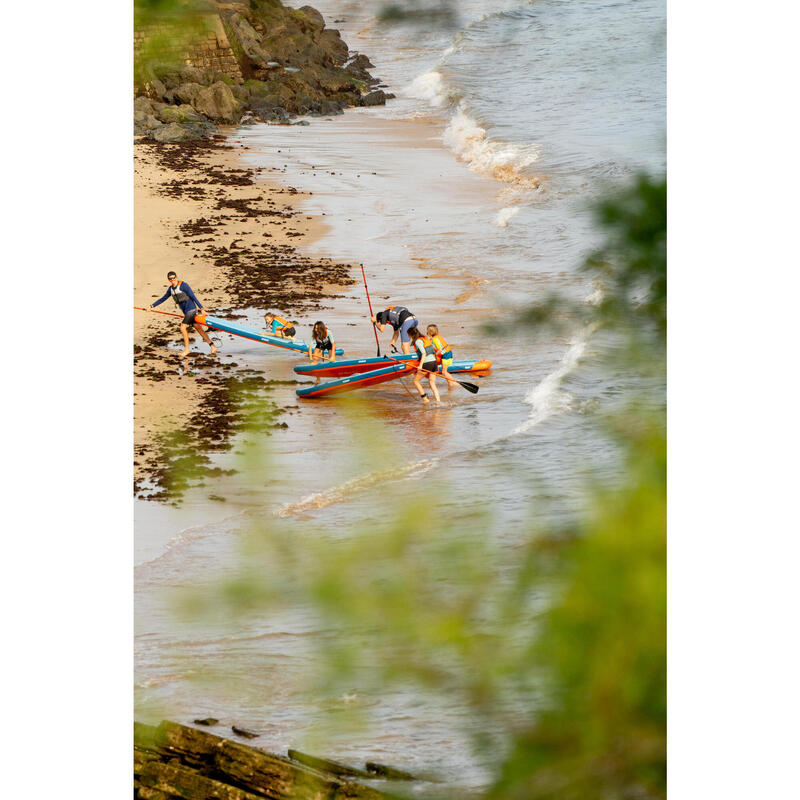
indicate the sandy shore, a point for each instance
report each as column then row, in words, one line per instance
column 230, row 232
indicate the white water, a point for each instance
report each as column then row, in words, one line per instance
column 465, row 198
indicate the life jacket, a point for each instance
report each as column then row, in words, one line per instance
column 442, row 348
column 279, row 322
column 397, row 315
column 430, row 348
column 324, row 344
column 178, row 295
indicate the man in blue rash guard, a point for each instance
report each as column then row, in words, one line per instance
column 184, row 298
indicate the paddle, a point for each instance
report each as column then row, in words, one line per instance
column 470, row 387
column 369, row 303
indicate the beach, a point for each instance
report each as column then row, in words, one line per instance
column 178, row 226
column 464, row 204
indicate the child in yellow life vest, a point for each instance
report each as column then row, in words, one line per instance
column 444, row 355
column 279, row 327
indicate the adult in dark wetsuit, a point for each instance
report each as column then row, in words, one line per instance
column 184, row 298
column 401, row 320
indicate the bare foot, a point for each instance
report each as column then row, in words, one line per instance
column 185, row 353
column 214, row 349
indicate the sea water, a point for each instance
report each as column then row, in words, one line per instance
column 465, row 198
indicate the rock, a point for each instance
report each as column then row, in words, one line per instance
column 191, row 75
column 244, row 732
column 143, row 123
column 376, row 98
column 218, row 103
column 187, row 92
column 326, row 765
column 301, row 122
column 358, row 66
column 206, row 721
column 331, row 41
column 174, row 132
column 182, row 113
column 147, row 105
column 316, row 18
column 390, row 773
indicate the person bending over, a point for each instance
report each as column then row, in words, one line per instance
column 184, row 298
column 279, row 327
column 401, row 320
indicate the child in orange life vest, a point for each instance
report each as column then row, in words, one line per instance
column 426, row 351
column 444, row 355
column 279, row 327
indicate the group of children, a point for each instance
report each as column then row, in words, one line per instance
column 432, row 348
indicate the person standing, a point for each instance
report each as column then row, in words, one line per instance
column 185, row 299
column 401, row 320
column 428, row 365
column 444, row 355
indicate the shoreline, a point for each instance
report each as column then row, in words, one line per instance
column 231, row 232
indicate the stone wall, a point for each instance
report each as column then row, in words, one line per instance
column 210, row 51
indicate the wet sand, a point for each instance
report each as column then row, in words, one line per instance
column 231, row 233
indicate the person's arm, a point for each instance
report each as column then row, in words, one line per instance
column 379, row 325
column 333, row 346
column 160, row 300
column 188, row 289
column 394, row 337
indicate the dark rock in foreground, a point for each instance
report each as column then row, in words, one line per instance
column 175, row 761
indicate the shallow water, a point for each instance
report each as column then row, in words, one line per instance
column 465, row 198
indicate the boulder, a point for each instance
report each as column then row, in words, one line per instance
column 183, row 114
column 143, row 123
column 175, row 133
column 191, row 75
column 218, row 103
column 376, row 98
column 331, row 42
column 187, row 92
column 314, row 16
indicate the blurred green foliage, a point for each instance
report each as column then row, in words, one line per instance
column 556, row 644
column 169, row 27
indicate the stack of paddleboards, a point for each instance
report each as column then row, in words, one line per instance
column 345, row 376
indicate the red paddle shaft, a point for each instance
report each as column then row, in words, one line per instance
column 369, row 303
column 153, row 311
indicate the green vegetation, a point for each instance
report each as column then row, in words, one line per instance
column 555, row 645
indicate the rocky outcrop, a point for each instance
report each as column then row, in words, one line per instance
column 175, row 761
column 291, row 62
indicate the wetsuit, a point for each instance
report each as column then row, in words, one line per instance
column 400, row 318
column 184, row 298
column 326, row 344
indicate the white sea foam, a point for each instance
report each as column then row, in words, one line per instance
column 343, row 491
column 505, row 215
column 547, row 397
column 431, row 86
column 501, row 160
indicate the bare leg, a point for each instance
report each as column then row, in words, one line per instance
column 406, row 347
column 446, row 376
column 204, row 335
column 418, row 387
column 432, row 382
column 185, row 332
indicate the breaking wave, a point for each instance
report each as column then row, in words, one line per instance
column 343, row 491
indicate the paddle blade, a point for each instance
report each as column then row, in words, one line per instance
column 470, row 387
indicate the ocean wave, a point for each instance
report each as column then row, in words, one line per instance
column 505, row 215
column 547, row 397
column 340, row 493
column 431, row 86
column 500, row 160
